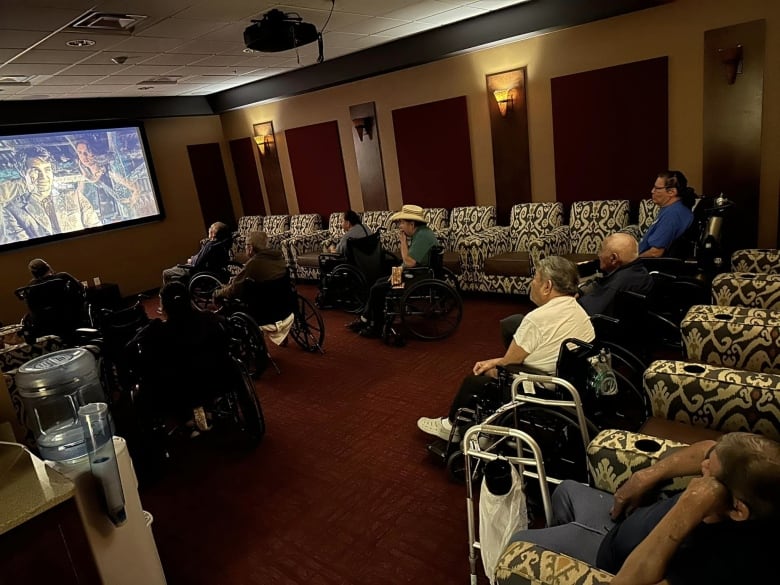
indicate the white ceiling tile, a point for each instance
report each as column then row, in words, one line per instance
column 59, row 89
column 41, row 56
column 181, row 28
column 342, row 19
column 373, row 25
column 495, row 4
column 203, row 70
column 171, row 59
column 454, row 15
column 18, row 39
column 72, row 4
column 101, row 70
column 31, row 69
column 138, row 44
column 9, row 91
column 405, row 30
column 341, row 40
column 372, row 40
column 220, row 61
column 227, row 11
column 6, row 54
column 370, row 7
column 148, row 70
column 419, row 10
column 150, row 8
column 315, row 17
column 26, row 17
column 102, row 41
column 208, row 47
column 213, row 79
column 121, row 80
column 231, row 33
column 68, row 80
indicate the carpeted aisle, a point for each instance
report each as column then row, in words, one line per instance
column 342, row 489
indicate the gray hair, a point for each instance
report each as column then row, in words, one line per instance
column 561, row 272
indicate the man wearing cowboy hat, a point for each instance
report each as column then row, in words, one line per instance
column 416, row 240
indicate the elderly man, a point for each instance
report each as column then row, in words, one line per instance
column 536, row 341
column 621, row 270
column 416, row 240
column 213, row 255
column 264, row 264
column 353, row 229
column 721, row 529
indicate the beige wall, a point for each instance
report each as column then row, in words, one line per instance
column 675, row 29
column 132, row 257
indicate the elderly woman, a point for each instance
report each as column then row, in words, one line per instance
column 536, row 341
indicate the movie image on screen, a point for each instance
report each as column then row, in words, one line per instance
column 57, row 184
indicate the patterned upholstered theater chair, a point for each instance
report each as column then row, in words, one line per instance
column 303, row 252
column 246, row 225
column 589, row 223
column 300, row 225
column 647, row 214
column 464, row 222
column 746, row 289
column 758, row 260
column 375, row 220
column 500, row 258
column 734, row 337
column 277, row 227
column 707, row 399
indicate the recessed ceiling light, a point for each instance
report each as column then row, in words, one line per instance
column 80, row 43
column 248, row 50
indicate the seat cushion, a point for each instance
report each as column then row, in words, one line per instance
column 452, row 261
column 310, row 260
column 509, row 264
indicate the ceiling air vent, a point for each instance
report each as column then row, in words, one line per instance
column 108, row 21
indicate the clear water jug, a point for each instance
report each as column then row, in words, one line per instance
column 52, row 388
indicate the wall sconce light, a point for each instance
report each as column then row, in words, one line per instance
column 264, row 144
column 505, row 100
column 731, row 59
column 363, row 126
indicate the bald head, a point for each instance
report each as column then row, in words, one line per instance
column 617, row 250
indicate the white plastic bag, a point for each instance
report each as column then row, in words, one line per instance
column 499, row 518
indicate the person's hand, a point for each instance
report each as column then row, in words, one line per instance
column 629, row 496
column 332, row 249
column 487, row 367
column 707, row 495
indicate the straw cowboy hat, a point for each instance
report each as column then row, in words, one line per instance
column 411, row 213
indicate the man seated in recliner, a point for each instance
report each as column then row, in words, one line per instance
column 416, row 240
column 264, row 264
column 41, row 271
column 721, row 530
column 536, row 341
column 213, row 255
column 621, row 270
column 671, row 193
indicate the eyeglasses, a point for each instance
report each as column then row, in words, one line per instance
column 660, row 188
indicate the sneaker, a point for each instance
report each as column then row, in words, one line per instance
column 369, row 332
column 201, row 422
column 357, row 325
column 438, row 427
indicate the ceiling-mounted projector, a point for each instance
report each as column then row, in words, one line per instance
column 278, row 31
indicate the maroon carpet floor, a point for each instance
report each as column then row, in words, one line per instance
column 341, row 490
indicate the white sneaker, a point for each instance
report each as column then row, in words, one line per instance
column 438, row 427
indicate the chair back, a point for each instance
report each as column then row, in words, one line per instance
column 366, row 255
column 56, row 306
column 529, row 221
column 592, row 221
column 467, row 221
column 305, row 223
column 269, row 301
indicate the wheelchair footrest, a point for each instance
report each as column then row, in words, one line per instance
column 439, row 449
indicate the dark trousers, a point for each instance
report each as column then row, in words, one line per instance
column 472, row 389
column 375, row 308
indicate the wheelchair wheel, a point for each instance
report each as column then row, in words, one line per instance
column 450, row 278
column 249, row 346
column 348, row 288
column 431, row 309
column 247, row 410
column 201, row 289
column 308, row 329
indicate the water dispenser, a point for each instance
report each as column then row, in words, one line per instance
column 52, row 388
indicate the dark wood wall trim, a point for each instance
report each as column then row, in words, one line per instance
column 365, row 137
column 242, row 151
column 511, row 149
column 732, row 129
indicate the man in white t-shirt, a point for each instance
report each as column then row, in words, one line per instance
column 536, row 341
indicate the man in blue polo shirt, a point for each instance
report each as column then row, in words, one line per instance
column 672, row 194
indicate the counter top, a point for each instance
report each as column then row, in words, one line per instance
column 28, row 487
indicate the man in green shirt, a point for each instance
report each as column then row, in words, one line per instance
column 417, row 240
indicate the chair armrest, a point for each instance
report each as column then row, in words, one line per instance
column 306, row 243
column 524, row 563
column 613, row 455
column 554, row 243
column 477, row 248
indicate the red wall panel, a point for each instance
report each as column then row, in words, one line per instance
column 318, row 168
column 610, row 128
column 434, row 153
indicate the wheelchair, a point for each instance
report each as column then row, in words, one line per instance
column 428, row 306
column 203, row 283
column 345, row 281
column 563, row 416
column 57, row 306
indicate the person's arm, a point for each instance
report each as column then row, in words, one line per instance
column 408, row 261
column 232, row 288
column 647, row 564
column 514, row 355
column 653, row 252
column 684, row 461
